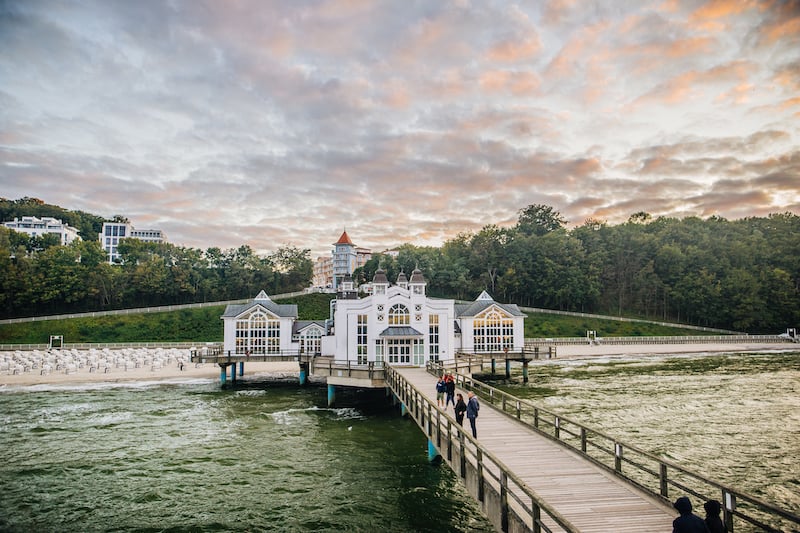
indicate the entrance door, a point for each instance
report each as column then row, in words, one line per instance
column 399, row 351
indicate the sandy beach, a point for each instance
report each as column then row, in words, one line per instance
column 190, row 371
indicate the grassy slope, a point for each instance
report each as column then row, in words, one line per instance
column 204, row 325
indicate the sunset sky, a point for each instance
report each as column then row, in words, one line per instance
column 269, row 123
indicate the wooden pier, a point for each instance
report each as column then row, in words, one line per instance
column 573, row 494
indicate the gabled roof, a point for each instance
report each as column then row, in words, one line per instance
column 483, row 302
column 263, row 301
column 344, row 239
column 300, row 325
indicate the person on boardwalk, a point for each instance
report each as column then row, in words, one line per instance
column 460, row 409
column 687, row 522
column 450, row 390
column 472, row 412
column 440, row 390
column 713, row 521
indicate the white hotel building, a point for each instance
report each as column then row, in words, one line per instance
column 38, row 227
column 398, row 324
column 113, row 232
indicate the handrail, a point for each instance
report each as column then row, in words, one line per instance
column 439, row 425
column 650, row 472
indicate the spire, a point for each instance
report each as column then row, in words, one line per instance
column 344, row 239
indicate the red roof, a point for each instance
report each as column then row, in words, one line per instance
column 344, row 239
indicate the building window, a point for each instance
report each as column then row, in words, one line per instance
column 361, row 340
column 378, row 352
column 493, row 332
column 433, row 338
column 273, row 336
column 399, row 315
column 311, row 341
column 258, row 333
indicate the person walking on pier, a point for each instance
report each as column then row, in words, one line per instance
column 713, row 521
column 460, row 409
column 472, row 412
column 440, row 390
column 450, row 390
column 687, row 522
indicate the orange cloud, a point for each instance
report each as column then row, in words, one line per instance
column 515, row 50
column 713, row 15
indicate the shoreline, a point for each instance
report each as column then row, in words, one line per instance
column 191, row 371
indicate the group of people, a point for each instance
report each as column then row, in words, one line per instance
column 446, row 394
column 689, row 522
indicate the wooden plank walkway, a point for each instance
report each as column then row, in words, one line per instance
column 588, row 496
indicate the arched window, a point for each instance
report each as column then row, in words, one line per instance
column 311, row 340
column 399, row 315
column 259, row 333
column 493, row 332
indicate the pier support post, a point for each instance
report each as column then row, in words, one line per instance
column 494, row 366
column 432, row 453
column 525, row 371
column 303, row 373
column 233, row 372
column 331, row 395
column 508, row 368
column 223, row 374
column 241, row 368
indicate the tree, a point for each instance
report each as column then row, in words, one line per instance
column 537, row 219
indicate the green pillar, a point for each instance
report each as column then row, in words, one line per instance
column 432, row 453
column 525, row 371
column 331, row 395
column 494, row 366
column 508, row 368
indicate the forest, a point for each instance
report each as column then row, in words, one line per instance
column 742, row 275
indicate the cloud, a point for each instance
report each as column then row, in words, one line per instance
column 269, row 123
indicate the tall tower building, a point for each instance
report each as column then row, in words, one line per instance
column 344, row 259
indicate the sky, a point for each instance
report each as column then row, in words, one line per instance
column 273, row 123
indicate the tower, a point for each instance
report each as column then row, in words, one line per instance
column 344, row 259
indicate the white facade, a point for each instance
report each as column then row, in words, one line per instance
column 113, row 232
column 398, row 324
column 38, row 227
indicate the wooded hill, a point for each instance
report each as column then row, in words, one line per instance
column 741, row 275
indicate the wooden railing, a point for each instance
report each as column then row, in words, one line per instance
column 653, row 474
column 507, row 501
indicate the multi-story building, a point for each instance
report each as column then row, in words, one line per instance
column 345, row 258
column 38, row 227
column 113, row 232
column 398, row 324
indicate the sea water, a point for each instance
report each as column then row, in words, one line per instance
column 271, row 456
column 190, row 456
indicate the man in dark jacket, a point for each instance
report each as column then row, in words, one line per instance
column 687, row 522
column 450, row 390
column 472, row 412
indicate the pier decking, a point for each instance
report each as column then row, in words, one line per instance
column 588, row 497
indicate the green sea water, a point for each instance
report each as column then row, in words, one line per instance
column 188, row 456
